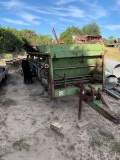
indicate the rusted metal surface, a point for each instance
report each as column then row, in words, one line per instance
column 51, row 86
column 15, row 61
column 54, row 33
column 70, row 69
column 97, row 102
column 103, row 71
column 112, row 116
column 82, row 92
column 51, row 80
column 29, row 48
column 87, row 39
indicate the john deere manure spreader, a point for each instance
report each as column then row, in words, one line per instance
column 72, row 69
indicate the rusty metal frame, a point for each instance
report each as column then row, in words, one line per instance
column 95, row 100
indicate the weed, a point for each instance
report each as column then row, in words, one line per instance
column 74, row 158
column 52, row 112
column 15, row 90
column 113, row 51
column 95, row 143
column 71, row 147
column 56, row 118
column 1, row 157
column 34, row 96
column 49, row 118
column 13, row 82
column 90, row 158
column 118, row 112
column 21, row 144
column 33, row 121
column 108, row 135
column 8, row 102
column 116, row 147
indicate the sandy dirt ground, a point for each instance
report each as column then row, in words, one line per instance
column 25, row 132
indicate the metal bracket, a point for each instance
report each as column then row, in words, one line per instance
column 95, row 100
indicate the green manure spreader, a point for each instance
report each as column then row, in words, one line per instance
column 72, row 69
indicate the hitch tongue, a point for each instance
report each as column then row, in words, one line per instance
column 95, row 100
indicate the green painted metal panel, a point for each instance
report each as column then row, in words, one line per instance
column 66, row 91
column 76, row 66
column 73, row 90
column 68, row 63
column 96, row 86
column 57, row 74
column 72, row 50
column 103, row 110
column 74, row 62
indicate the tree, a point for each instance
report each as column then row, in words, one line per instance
column 105, row 41
column 45, row 39
column 29, row 36
column 91, row 29
column 10, row 39
column 34, row 38
column 67, row 35
column 111, row 39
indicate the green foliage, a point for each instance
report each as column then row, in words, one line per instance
column 95, row 143
column 119, row 112
column 91, row 29
column 116, row 147
column 108, row 135
column 56, row 118
column 111, row 39
column 8, row 102
column 10, row 39
column 105, row 41
column 45, row 39
column 66, row 36
column 33, row 121
column 31, row 37
column 1, row 157
column 71, row 147
column 21, row 144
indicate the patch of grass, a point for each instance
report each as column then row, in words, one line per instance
column 1, row 157
column 90, row 158
column 15, row 90
column 108, row 135
column 13, row 82
column 8, row 102
column 113, row 51
column 33, row 121
column 95, row 143
column 52, row 112
column 56, row 118
column 21, row 144
column 34, row 96
column 71, row 147
column 116, row 147
column 4, row 154
column 118, row 112
column 49, row 118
